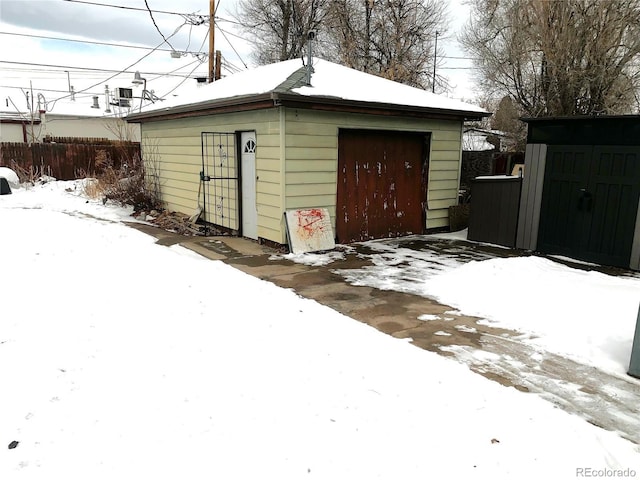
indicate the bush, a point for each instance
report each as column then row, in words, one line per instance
column 128, row 184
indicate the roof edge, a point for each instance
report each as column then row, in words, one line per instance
column 294, row 99
column 288, row 99
column 579, row 117
column 200, row 107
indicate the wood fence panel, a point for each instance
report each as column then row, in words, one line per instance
column 66, row 161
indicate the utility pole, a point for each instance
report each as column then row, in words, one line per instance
column 212, row 11
column 218, row 65
column 435, row 59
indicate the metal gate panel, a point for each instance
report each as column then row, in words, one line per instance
column 219, row 179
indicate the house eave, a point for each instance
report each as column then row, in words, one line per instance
column 373, row 108
column 19, row 122
column 292, row 100
column 225, row 105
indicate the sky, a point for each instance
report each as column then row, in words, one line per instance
column 50, row 66
column 176, row 375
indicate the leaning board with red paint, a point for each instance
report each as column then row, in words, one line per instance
column 309, row 230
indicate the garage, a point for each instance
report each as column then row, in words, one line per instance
column 382, row 184
column 385, row 133
column 583, row 185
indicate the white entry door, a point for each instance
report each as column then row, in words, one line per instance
column 248, row 172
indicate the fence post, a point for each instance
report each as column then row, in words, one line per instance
column 634, row 363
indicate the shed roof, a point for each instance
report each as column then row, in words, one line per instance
column 332, row 86
column 585, row 130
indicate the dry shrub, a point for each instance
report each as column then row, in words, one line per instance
column 30, row 175
column 127, row 184
column 92, row 187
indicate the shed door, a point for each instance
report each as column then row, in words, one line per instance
column 382, row 184
column 248, row 175
column 590, row 202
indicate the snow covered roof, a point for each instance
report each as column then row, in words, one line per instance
column 16, row 117
column 330, row 83
column 476, row 141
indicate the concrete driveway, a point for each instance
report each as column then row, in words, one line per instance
column 495, row 353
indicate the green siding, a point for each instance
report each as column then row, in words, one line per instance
column 174, row 146
column 309, row 142
column 312, row 158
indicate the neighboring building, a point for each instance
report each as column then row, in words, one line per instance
column 581, row 189
column 475, row 140
column 18, row 127
column 88, row 118
column 84, row 117
column 382, row 157
column 481, row 140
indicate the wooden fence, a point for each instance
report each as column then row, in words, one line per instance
column 476, row 164
column 83, row 140
column 65, row 161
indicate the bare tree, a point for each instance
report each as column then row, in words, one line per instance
column 558, row 57
column 507, row 120
column 279, row 28
column 391, row 38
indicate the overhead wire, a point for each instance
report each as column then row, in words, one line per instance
column 176, row 69
column 230, row 66
column 232, row 47
column 156, row 25
column 45, row 37
column 120, row 72
column 81, row 69
column 190, row 73
column 99, row 4
column 87, row 94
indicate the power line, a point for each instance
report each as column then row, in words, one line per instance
column 190, row 73
column 176, row 69
column 156, row 25
column 231, row 45
column 92, row 42
column 103, row 70
column 98, row 4
column 88, row 94
column 224, row 33
column 118, row 73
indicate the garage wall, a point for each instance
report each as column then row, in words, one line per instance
column 311, row 143
column 174, row 147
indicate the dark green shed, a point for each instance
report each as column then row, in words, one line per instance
column 581, row 189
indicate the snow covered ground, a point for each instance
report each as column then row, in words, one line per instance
column 585, row 315
column 121, row 358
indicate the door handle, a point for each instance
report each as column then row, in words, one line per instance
column 585, row 203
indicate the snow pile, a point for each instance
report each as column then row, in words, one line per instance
column 66, row 197
column 126, row 359
column 10, row 176
column 586, row 315
column 311, row 259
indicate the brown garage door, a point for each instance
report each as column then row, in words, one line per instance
column 382, row 184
